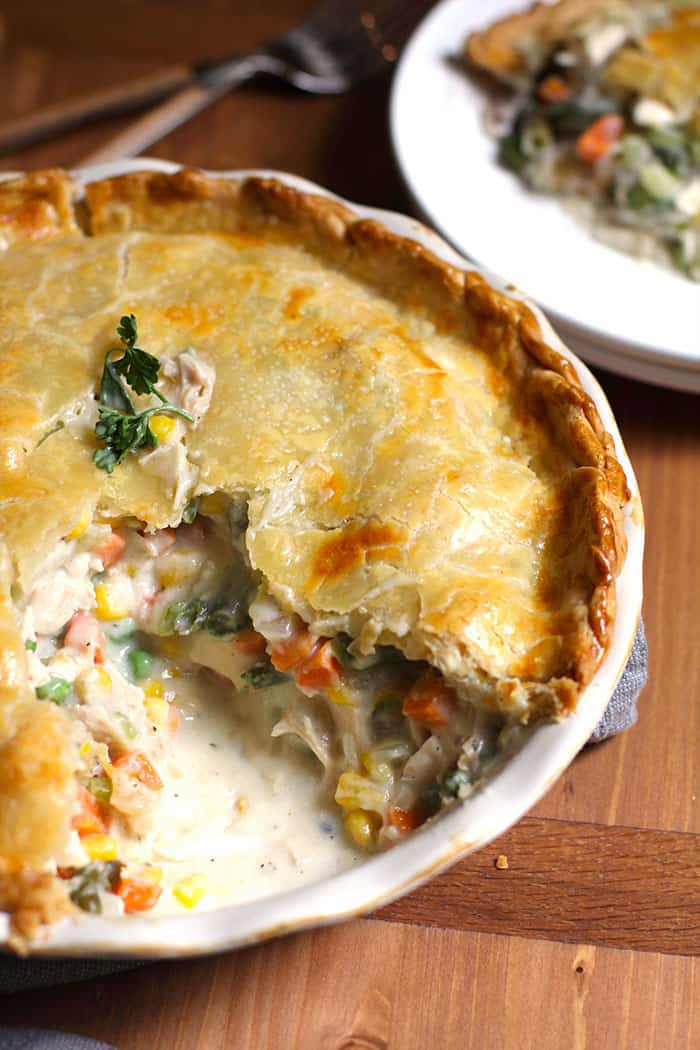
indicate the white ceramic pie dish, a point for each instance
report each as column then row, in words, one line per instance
column 472, row 824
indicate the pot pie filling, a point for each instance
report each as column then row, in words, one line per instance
column 137, row 636
column 369, row 533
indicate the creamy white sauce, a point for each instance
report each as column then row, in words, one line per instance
column 240, row 809
column 238, row 805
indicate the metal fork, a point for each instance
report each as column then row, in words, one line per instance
column 341, row 43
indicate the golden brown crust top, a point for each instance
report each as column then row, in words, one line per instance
column 36, row 207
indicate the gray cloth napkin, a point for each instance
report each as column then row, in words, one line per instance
column 41, row 1039
column 21, row 974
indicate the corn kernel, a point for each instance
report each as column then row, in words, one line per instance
column 362, row 828
column 190, row 890
column 100, row 847
column 88, row 681
column 161, row 426
column 85, row 748
column 102, row 678
column 213, row 503
column 355, row 791
column 338, row 695
column 154, row 689
column 242, row 804
column 80, row 527
column 110, row 605
column 157, row 710
column 378, row 770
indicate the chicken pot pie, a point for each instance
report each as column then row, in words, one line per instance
column 605, row 112
column 275, row 481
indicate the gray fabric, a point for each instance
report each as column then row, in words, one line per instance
column 21, row 974
column 41, row 1039
column 621, row 712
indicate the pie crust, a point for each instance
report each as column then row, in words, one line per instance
column 423, row 470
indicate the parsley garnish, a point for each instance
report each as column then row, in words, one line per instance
column 120, row 426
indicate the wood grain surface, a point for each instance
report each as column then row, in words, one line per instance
column 590, row 938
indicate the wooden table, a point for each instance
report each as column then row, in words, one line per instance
column 590, row 938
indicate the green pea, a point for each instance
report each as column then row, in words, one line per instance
column 30, row 645
column 141, row 663
column 56, row 689
column 100, row 788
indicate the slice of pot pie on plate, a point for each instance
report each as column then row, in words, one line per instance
column 300, row 527
column 605, row 112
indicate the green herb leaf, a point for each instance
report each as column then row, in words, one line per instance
column 121, row 434
column 262, row 676
column 122, row 429
column 88, row 881
column 184, row 617
column 139, row 368
column 228, row 618
column 112, row 392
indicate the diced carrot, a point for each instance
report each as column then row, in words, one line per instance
column 250, row 642
column 291, row 651
column 85, row 636
column 111, row 549
column 430, row 701
column 599, row 137
column 138, row 894
column 319, row 670
column 554, row 89
column 403, row 819
column 89, row 819
column 137, row 765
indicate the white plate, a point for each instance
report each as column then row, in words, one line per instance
column 506, row 797
column 639, row 310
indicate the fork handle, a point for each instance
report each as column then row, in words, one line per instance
column 64, row 116
column 163, row 119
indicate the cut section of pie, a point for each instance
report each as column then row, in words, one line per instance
column 259, row 456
